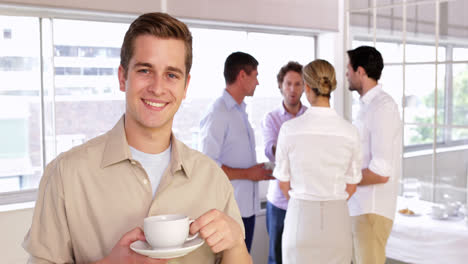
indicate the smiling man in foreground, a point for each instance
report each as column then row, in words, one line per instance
column 93, row 199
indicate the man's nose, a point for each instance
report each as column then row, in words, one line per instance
column 156, row 85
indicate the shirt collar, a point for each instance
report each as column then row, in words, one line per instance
column 285, row 112
column 371, row 94
column 317, row 110
column 230, row 102
column 117, row 149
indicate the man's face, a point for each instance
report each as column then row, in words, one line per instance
column 292, row 88
column 353, row 79
column 156, row 82
column 251, row 82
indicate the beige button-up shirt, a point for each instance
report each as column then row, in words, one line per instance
column 93, row 194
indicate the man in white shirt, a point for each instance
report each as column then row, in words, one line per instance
column 373, row 206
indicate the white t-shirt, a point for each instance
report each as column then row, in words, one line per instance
column 319, row 153
column 379, row 126
column 154, row 164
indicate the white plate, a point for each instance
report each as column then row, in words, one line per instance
column 143, row 248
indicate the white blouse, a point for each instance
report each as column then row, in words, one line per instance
column 319, row 153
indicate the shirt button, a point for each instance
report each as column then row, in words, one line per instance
column 133, row 162
column 145, row 181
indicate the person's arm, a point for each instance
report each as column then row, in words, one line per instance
column 285, row 187
column 222, row 234
column 369, row 177
column 384, row 126
column 270, row 136
column 213, row 128
column 282, row 170
column 254, row 173
column 350, row 189
column 353, row 174
column 48, row 239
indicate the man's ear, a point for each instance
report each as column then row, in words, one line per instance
column 361, row 71
column 122, row 78
column 187, row 81
column 241, row 75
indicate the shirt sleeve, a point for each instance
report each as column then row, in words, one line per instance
column 384, row 127
column 270, row 136
column 48, row 239
column 354, row 172
column 282, row 169
column 231, row 208
column 212, row 131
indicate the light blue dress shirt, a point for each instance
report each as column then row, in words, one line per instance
column 228, row 138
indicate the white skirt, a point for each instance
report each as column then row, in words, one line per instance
column 317, row 232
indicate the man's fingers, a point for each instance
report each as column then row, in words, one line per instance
column 220, row 246
column 132, row 236
column 214, row 239
column 208, row 230
column 155, row 261
column 203, row 220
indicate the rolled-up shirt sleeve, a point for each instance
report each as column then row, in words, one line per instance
column 384, row 126
column 270, row 136
column 354, row 173
column 282, row 169
column 212, row 131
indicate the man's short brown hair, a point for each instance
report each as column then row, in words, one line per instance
column 160, row 25
column 291, row 66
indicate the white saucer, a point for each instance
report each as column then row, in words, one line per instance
column 143, row 248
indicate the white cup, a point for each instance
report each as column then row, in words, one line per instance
column 439, row 211
column 453, row 208
column 167, row 231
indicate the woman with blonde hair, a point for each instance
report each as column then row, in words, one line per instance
column 318, row 163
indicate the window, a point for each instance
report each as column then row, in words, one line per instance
column 80, row 94
column 426, row 69
column 20, row 134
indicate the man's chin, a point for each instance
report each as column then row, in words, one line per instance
column 294, row 103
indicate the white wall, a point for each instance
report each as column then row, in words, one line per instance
column 307, row 14
column 13, row 227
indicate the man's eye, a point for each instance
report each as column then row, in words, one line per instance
column 172, row 76
column 143, row 70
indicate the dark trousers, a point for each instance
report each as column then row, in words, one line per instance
column 249, row 225
column 275, row 225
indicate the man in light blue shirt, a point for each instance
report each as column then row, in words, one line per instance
column 228, row 138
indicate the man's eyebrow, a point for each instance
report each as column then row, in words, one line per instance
column 175, row 69
column 143, row 64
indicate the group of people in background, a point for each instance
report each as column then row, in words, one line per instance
column 333, row 195
column 332, row 192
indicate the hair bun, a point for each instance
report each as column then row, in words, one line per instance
column 325, row 85
column 324, row 80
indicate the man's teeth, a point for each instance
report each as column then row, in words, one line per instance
column 155, row 104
